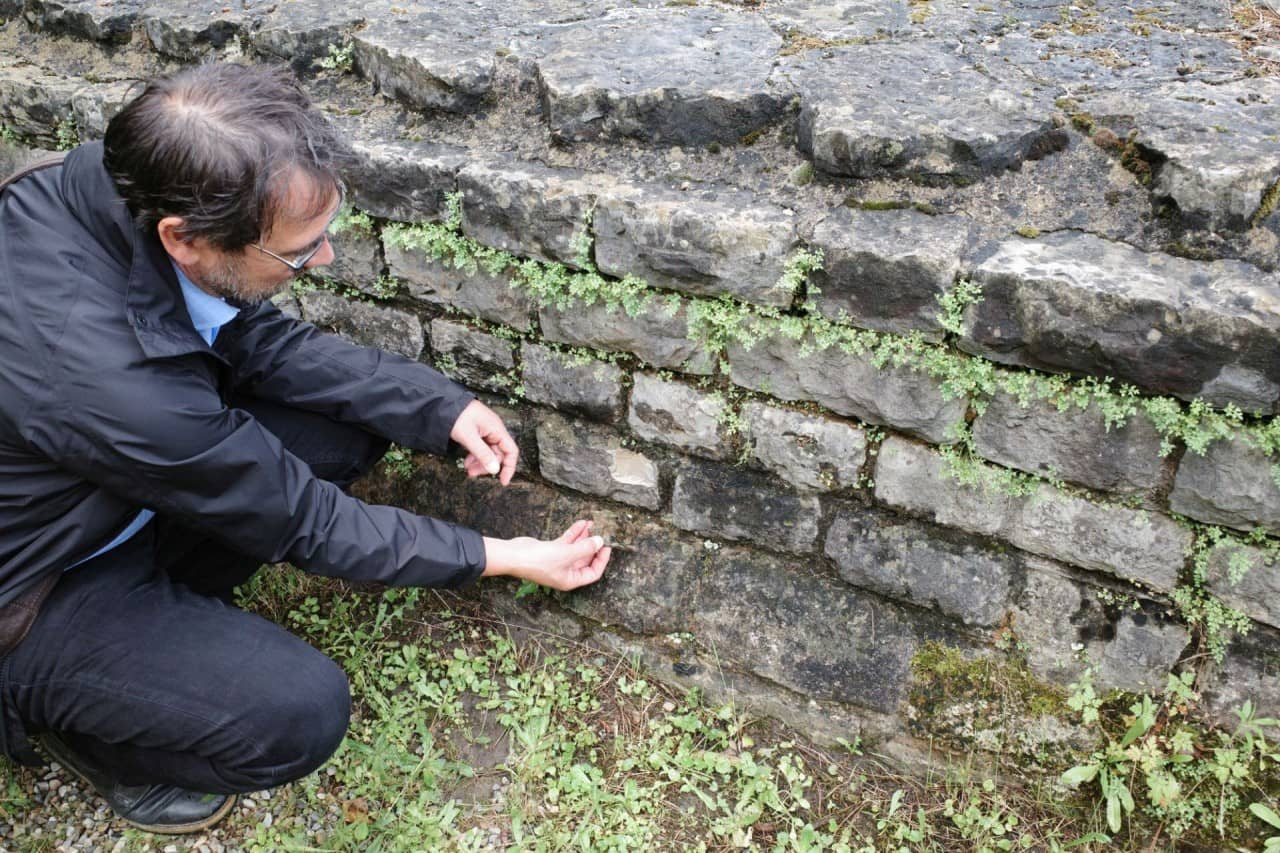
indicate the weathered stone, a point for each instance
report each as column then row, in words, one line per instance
column 808, row 452
column 728, row 501
column 1250, row 672
column 673, row 413
column 485, row 296
column 94, row 106
column 929, row 567
column 528, row 210
column 1245, row 577
column 810, row 634
column 654, row 336
column 1071, row 444
column 887, row 269
column 910, row 109
column 34, row 105
column 357, row 260
column 404, row 181
column 1231, row 484
column 439, row 58
column 368, row 325
column 593, row 460
column 670, row 76
column 440, row 488
column 848, row 384
column 86, row 19
column 190, row 30
column 583, row 386
column 302, row 31
column 1213, row 145
column 1138, row 546
column 710, row 244
column 1070, row 301
column 826, row 22
column 475, row 358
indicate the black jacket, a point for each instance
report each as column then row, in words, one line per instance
column 110, row 401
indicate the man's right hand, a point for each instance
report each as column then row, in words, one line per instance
column 575, row 559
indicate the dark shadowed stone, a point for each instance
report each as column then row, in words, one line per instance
column 648, row 584
column 94, row 106
column 1065, row 624
column 405, row 181
column 848, row 384
column 887, row 269
column 1214, row 145
column 811, row 634
column 192, row 29
column 1246, row 578
column 1071, row 444
column 672, row 76
column 86, row 19
column 733, row 503
column 368, row 325
column 909, row 561
column 1070, row 301
column 302, row 31
column 673, row 413
column 474, row 358
column 914, row 110
column 579, row 385
column 1249, row 673
column 482, row 295
column 1231, row 484
column 809, row 452
column 711, row 243
column 655, row 336
column 33, row 104
column 1139, row 546
column 592, row 459
column 527, row 209
column 357, row 260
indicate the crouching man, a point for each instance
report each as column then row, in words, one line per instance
column 164, row 430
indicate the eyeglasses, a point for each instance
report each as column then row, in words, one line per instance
column 299, row 261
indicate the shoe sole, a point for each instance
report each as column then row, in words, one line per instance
column 52, row 753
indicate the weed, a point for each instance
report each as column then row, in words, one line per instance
column 67, row 134
column 338, row 58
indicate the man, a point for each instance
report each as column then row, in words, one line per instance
column 164, row 430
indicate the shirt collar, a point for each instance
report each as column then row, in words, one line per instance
column 207, row 311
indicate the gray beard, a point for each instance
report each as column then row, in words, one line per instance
column 228, row 282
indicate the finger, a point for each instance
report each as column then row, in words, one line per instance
column 575, row 532
column 473, row 466
column 510, row 452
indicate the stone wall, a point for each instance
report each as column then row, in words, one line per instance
column 856, row 326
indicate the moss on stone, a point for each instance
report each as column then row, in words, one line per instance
column 1269, row 203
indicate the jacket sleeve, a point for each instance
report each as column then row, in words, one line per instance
column 161, row 437
column 278, row 358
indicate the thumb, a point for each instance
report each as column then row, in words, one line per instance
column 480, row 451
column 586, row 548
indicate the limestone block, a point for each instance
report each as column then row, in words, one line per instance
column 482, row 295
column 439, row 58
column 34, row 104
column 439, row 488
column 1214, row 144
column 813, row 635
column 190, row 31
column 709, row 243
column 404, row 181
column 592, row 460
column 527, row 209
column 809, row 452
column 672, row 413
column 85, row 19
column 94, row 106
column 654, row 336
column 368, row 325
column 1071, row 301
column 733, row 503
column 1230, row 484
column 357, row 260
column 1249, row 673
column 1135, row 545
column 842, row 19
column 581, row 386
column 301, row 31
column 887, row 269
column 672, row 76
column 906, row 108
column 848, row 384
column 1256, row 591
column 1072, row 444
column 472, row 357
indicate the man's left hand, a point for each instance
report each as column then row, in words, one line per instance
column 490, row 448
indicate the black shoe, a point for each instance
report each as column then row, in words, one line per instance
column 163, row 809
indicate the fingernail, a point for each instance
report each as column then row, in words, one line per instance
column 599, row 540
column 493, row 467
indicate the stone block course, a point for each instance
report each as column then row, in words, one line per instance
column 593, row 460
column 654, row 336
column 848, row 384
column 357, row 260
column 1256, row 592
column 1230, row 484
column 672, row 413
column 85, row 19
column 441, row 58
column 809, row 452
column 1250, row 672
column 369, row 325
column 471, row 356
column 476, row 293
column 1134, row 545
column 1071, row 301
column 188, row 33
column 734, row 503
column 887, row 269
column 403, row 181
column 587, row 387
column 1070, row 444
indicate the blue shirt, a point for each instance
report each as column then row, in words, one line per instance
column 208, row 314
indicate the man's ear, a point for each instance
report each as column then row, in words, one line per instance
column 187, row 251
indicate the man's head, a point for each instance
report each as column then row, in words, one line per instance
column 235, row 171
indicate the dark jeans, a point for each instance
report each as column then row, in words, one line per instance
column 140, row 662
